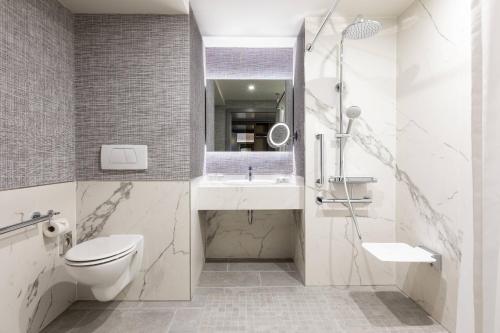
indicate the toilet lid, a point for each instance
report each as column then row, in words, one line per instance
column 102, row 248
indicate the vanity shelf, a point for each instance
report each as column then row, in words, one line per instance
column 352, row 180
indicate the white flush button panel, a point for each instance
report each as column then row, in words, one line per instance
column 124, row 157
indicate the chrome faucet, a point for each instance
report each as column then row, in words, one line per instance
column 250, row 173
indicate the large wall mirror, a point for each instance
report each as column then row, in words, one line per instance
column 249, row 115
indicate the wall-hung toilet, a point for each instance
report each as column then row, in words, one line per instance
column 106, row 264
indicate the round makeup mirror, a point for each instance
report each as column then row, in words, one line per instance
column 278, row 135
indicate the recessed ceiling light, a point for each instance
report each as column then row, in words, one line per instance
column 251, row 87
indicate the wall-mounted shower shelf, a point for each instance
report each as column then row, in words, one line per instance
column 352, row 180
column 402, row 252
column 321, row 200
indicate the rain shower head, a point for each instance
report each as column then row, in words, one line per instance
column 361, row 28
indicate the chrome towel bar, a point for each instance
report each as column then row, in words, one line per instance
column 321, row 200
column 35, row 218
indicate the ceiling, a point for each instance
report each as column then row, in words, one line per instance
column 168, row 7
column 255, row 18
column 279, row 18
column 237, row 90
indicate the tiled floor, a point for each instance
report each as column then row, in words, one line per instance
column 255, row 297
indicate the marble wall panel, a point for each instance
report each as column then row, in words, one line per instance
column 157, row 210
column 433, row 171
column 34, row 285
column 270, row 235
column 333, row 252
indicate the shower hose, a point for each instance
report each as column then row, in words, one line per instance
column 348, row 197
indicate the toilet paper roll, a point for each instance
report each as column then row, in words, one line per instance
column 55, row 228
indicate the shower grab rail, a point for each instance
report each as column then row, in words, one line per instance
column 321, row 200
column 36, row 218
column 330, row 12
column 321, row 179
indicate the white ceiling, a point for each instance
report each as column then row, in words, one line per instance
column 249, row 18
column 237, row 90
column 169, row 7
column 279, row 18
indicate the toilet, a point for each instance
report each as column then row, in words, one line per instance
column 106, row 264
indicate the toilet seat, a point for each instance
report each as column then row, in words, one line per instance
column 101, row 250
column 101, row 261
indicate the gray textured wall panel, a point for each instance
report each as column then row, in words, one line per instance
column 238, row 162
column 249, row 63
column 133, row 87
column 299, row 99
column 36, row 94
column 197, row 99
column 210, row 116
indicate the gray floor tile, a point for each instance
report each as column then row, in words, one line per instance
column 66, row 321
column 96, row 305
column 280, row 279
column 186, row 321
column 119, row 321
column 215, row 267
column 258, row 267
column 256, row 301
column 229, row 279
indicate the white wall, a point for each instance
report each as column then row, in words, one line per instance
column 486, row 158
column 159, row 211
column 433, row 198
column 333, row 254
column 34, row 285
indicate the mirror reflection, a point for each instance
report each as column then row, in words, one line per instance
column 241, row 113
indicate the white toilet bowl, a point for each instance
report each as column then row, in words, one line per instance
column 106, row 264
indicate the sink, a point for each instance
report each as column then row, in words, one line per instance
column 242, row 181
column 236, row 192
column 254, row 182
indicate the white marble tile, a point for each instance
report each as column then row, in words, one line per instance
column 34, row 285
column 434, row 190
column 230, row 235
column 159, row 211
column 198, row 235
column 333, row 254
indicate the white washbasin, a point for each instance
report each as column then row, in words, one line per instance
column 236, row 192
column 242, row 181
column 246, row 182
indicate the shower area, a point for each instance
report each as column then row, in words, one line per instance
column 387, row 149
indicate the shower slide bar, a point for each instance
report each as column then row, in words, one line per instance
column 36, row 218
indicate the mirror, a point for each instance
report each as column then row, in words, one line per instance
column 278, row 135
column 249, row 115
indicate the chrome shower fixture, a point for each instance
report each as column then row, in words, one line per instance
column 352, row 113
column 361, row 28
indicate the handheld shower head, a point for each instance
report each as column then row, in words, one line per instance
column 361, row 28
column 352, row 113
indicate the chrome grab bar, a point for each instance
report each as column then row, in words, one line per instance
column 321, row 179
column 35, row 218
column 321, row 200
